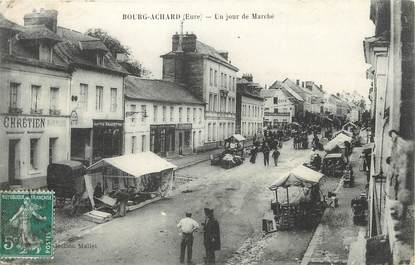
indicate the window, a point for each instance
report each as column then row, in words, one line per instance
column 221, row 80
column 155, row 113
column 52, row 150
column 171, row 113
column 164, row 113
column 133, row 144
column 233, row 84
column 200, row 138
column 194, row 115
column 143, row 143
column 54, row 93
column 211, row 76
column 214, row 132
column 83, row 97
column 215, row 102
column 209, row 132
column 211, row 106
column 216, row 78
column 36, row 100
column 275, row 100
column 113, row 99
column 230, row 83
column 133, row 108
column 200, row 115
column 100, row 58
column 188, row 115
column 249, row 110
column 14, row 97
column 143, row 113
column 225, row 81
column 229, row 105
column 99, row 97
column 34, row 145
column 180, row 114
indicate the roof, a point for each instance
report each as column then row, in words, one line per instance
column 38, row 32
column 7, row 24
column 135, row 165
column 287, row 88
column 337, row 141
column 298, row 89
column 93, row 45
column 69, row 163
column 158, row 90
column 238, row 137
column 268, row 93
column 70, row 51
column 299, row 176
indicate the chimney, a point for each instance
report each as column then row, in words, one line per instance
column 321, row 87
column 248, row 77
column 48, row 18
column 302, row 84
column 175, row 42
column 224, row 54
column 298, row 82
column 189, row 43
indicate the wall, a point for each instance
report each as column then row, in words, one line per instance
column 252, row 122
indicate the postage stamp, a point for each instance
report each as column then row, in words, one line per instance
column 26, row 224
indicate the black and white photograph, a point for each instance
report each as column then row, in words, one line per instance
column 201, row 132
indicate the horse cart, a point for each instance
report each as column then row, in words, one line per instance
column 298, row 201
column 66, row 179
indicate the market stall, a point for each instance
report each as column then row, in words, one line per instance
column 136, row 178
column 301, row 203
column 337, row 143
column 233, row 155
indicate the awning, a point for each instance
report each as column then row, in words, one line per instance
column 299, row 176
column 238, row 137
column 347, row 133
column 135, row 165
column 351, row 124
column 337, row 141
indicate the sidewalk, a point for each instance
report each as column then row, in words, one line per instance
column 333, row 237
column 190, row 160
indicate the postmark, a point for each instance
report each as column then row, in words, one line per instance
column 26, row 224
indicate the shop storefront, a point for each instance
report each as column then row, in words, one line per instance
column 29, row 143
column 183, row 138
column 162, row 140
column 106, row 139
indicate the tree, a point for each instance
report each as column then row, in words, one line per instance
column 115, row 47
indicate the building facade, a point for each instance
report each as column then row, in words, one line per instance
column 249, row 108
column 97, row 102
column 35, row 88
column 211, row 78
column 390, row 236
column 162, row 117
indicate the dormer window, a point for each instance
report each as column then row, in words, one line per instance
column 94, row 49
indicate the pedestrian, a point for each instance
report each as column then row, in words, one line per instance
column 211, row 238
column 254, row 152
column 187, row 226
column 122, row 200
column 265, row 151
column 275, row 156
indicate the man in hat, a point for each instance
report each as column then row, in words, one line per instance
column 211, row 236
column 187, row 226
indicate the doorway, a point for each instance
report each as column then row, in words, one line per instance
column 180, row 143
column 193, row 142
column 14, row 163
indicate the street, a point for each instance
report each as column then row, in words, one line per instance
column 240, row 199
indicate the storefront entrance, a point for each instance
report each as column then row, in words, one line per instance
column 107, row 139
column 14, row 163
column 162, row 139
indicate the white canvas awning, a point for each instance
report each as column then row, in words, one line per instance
column 135, row 165
column 299, row 176
column 239, row 137
column 337, row 141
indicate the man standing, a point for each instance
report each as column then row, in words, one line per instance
column 265, row 151
column 187, row 226
column 275, row 156
column 211, row 236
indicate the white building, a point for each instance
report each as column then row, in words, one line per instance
column 35, row 92
column 210, row 76
column 280, row 107
column 163, row 117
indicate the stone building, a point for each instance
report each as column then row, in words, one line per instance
column 35, row 109
column 390, row 236
column 209, row 75
column 163, row 117
column 249, row 108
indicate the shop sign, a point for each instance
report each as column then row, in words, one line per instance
column 162, row 126
column 107, row 123
column 184, row 126
column 12, row 122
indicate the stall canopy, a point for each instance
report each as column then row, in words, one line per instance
column 135, row 165
column 350, row 124
column 238, row 137
column 299, row 176
column 337, row 141
column 350, row 134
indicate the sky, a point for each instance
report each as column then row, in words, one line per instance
column 318, row 40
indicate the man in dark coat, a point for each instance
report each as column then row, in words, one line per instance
column 211, row 237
